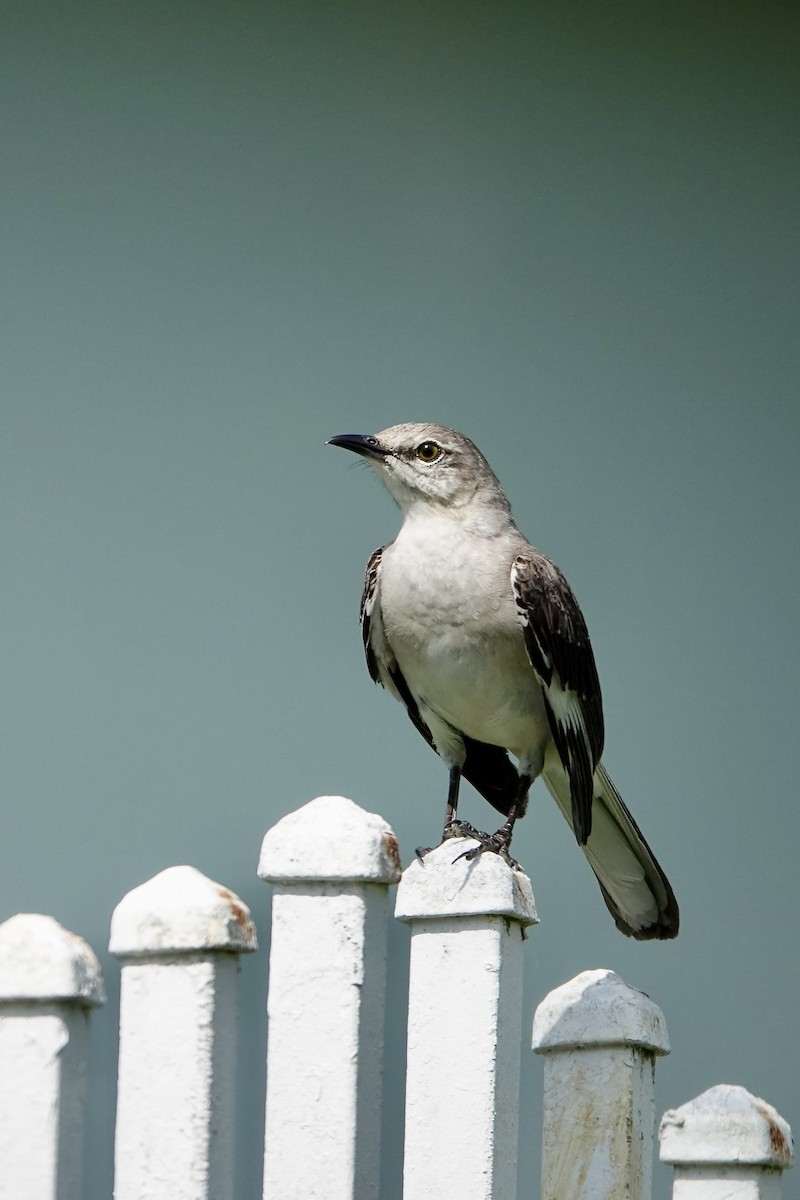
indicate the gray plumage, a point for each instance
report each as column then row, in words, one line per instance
column 482, row 639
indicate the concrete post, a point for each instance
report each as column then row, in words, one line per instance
column 179, row 937
column 464, row 1023
column 600, row 1038
column 726, row 1143
column 49, row 981
column 331, row 864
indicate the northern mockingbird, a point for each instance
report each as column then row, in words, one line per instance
column 480, row 637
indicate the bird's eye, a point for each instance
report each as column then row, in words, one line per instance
column 428, row 452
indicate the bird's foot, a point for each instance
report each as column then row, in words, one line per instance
column 495, row 843
column 453, row 829
column 460, row 829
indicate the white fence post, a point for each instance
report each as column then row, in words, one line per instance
column 49, row 979
column 331, row 864
column 464, row 1023
column 726, row 1143
column 179, row 937
column 600, row 1038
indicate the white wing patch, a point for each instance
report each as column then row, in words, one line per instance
column 566, row 709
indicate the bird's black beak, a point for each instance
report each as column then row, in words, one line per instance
column 364, row 444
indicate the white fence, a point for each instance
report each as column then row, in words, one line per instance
column 331, row 864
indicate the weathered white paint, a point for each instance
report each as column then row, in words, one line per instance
column 49, row 979
column 600, row 1038
column 331, row 864
column 464, row 1022
column 726, row 1145
column 179, row 937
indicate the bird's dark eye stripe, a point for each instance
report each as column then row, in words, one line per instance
column 428, row 451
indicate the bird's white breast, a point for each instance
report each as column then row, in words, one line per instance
column 449, row 616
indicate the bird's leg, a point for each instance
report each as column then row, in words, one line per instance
column 452, row 827
column 452, row 801
column 499, row 842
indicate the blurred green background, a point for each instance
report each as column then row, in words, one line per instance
column 232, row 230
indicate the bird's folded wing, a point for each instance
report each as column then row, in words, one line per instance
column 381, row 662
column 375, row 645
column 560, row 653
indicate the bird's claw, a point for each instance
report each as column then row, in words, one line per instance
column 494, row 843
column 454, row 829
column 460, row 829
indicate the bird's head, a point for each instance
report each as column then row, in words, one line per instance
column 428, row 465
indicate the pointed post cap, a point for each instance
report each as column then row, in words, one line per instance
column 597, row 1008
column 330, row 840
column 727, row 1125
column 443, row 885
column 41, row 960
column 178, row 911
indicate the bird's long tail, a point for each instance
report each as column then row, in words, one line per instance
column 634, row 887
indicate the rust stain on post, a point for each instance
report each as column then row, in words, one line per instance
column 777, row 1138
column 392, row 849
column 238, row 911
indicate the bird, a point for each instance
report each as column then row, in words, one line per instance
column 480, row 636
